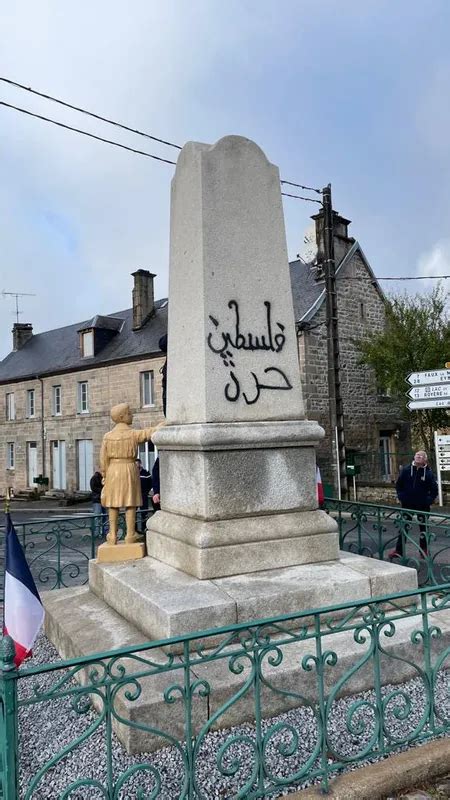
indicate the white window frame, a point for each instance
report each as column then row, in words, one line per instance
column 147, row 379
column 83, row 397
column 31, row 403
column 10, row 407
column 87, row 344
column 10, row 455
column 57, row 412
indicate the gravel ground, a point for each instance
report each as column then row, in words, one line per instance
column 46, row 728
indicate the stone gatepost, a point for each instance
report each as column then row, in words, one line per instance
column 237, row 457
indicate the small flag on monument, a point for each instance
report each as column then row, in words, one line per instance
column 320, row 492
column 23, row 610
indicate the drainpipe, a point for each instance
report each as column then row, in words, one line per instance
column 42, row 426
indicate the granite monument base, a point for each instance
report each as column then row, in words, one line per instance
column 131, row 603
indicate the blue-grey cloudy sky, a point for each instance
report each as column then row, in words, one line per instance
column 355, row 92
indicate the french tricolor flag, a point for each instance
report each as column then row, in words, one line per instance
column 319, row 484
column 24, row 612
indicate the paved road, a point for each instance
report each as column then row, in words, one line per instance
column 40, row 509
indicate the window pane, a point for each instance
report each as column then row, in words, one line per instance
column 30, row 403
column 147, row 388
column 10, row 406
column 10, row 455
column 83, row 396
column 88, row 343
column 57, row 399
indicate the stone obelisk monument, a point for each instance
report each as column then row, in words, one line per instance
column 239, row 536
column 237, row 455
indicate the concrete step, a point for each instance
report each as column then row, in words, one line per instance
column 79, row 624
column 163, row 602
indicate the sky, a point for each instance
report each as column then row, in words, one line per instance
column 338, row 91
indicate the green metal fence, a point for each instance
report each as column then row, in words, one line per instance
column 58, row 549
column 376, row 531
column 399, row 647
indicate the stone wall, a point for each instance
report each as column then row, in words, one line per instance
column 367, row 414
column 107, row 386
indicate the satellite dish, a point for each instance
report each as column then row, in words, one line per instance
column 308, row 251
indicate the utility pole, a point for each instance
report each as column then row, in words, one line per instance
column 337, row 432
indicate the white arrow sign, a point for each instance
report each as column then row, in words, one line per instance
column 443, row 440
column 431, row 392
column 416, row 405
column 432, row 376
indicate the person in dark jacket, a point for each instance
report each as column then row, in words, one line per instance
column 146, row 485
column 155, row 471
column 417, row 490
column 156, row 499
column 96, row 484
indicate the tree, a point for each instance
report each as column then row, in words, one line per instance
column 416, row 338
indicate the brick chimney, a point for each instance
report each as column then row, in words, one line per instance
column 342, row 241
column 22, row 332
column 143, row 297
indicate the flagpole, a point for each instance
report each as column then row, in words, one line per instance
column 7, row 508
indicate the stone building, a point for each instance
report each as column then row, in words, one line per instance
column 58, row 387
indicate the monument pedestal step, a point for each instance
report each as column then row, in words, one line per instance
column 80, row 624
column 164, row 602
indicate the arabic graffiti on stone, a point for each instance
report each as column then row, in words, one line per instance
column 227, row 345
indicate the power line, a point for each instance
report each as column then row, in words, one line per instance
column 300, row 186
column 298, row 197
column 86, row 133
column 126, row 128
column 89, row 113
column 417, row 278
column 399, row 278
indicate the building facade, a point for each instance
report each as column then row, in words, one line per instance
column 57, row 388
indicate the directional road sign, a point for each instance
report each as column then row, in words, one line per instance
column 429, row 377
column 429, row 392
column 416, row 405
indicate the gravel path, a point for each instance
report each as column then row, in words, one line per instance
column 45, row 728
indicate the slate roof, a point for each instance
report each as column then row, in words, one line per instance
column 59, row 350
column 305, row 289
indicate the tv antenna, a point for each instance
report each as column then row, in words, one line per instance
column 17, row 295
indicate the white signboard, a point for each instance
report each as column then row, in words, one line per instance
column 431, row 376
column 432, row 392
column 442, row 447
column 416, row 405
column 443, row 452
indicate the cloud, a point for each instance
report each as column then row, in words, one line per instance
column 433, row 113
column 435, row 262
column 77, row 217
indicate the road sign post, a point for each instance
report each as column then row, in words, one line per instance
column 442, row 449
column 429, row 377
column 429, row 389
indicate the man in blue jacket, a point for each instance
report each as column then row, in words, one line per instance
column 416, row 489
